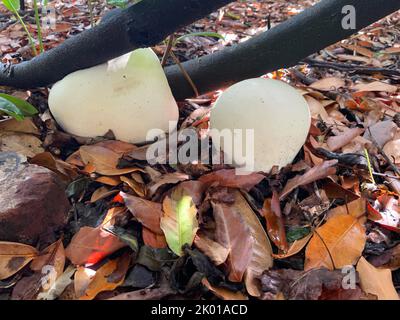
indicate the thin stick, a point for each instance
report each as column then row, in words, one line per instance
column 185, row 74
column 327, row 249
column 171, row 40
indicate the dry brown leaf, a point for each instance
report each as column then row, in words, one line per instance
column 110, row 181
column 13, row 257
column 316, row 173
column 375, row 86
column 24, row 126
column 138, row 188
column 104, row 156
column 223, row 293
column 91, row 245
column 239, row 230
column 89, row 283
column 216, row 252
column 229, row 178
column 328, row 84
column 376, row 281
column 22, row 143
column 148, row 213
column 153, row 239
column 63, row 169
column 341, row 239
column 336, row 142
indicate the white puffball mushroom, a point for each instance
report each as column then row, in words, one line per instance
column 277, row 113
column 129, row 95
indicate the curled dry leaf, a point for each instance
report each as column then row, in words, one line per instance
column 101, row 193
column 13, row 257
column 316, row 173
column 169, row 178
column 355, row 208
column 216, row 252
column 148, row 213
column 89, row 283
column 91, row 245
column 275, row 224
column 179, row 222
column 339, row 242
column 376, row 281
column 229, row 178
column 328, row 84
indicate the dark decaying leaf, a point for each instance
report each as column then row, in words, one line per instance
column 316, row 284
column 140, row 277
column 154, row 259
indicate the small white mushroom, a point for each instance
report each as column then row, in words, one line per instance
column 277, row 113
column 129, row 95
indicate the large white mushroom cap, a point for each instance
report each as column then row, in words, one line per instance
column 278, row 114
column 129, row 95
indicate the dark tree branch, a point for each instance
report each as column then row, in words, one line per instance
column 282, row 46
column 149, row 22
column 144, row 24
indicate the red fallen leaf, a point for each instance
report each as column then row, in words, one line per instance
column 91, row 245
column 193, row 188
column 147, row 212
column 169, row 178
column 229, row 178
column 275, row 225
column 316, row 173
column 152, row 239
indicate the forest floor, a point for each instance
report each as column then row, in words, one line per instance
column 326, row 226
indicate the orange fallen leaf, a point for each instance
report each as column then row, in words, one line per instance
column 339, row 242
column 295, row 248
column 223, row 293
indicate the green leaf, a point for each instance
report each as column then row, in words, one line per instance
column 296, row 233
column 201, row 34
column 10, row 109
column 118, row 3
column 12, row 5
column 179, row 222
column 25, row 107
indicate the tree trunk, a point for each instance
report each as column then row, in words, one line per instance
column 282, row 46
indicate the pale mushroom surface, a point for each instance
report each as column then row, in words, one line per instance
column 277, row 113
column 129, row 95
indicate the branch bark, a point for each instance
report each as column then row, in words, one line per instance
column 144, row 24
column 282, row 46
